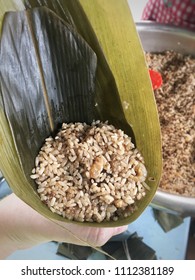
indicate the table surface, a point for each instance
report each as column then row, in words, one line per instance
column 168, row 246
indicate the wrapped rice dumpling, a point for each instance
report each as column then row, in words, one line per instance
column 65, row 70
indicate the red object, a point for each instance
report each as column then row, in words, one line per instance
column 156, row 79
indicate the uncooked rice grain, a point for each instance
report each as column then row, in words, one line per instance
column 90, row 173
column 176, row 107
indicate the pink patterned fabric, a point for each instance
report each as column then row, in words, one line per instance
column 176, row 12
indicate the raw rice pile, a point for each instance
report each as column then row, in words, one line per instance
column 176, row 106
column 90, row 173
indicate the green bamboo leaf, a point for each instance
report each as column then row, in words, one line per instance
column 109, row 25
column 28, row 92
column 9, row 5
column 52, row 80
column 116, row 32
column 106, row 92
column 121, row 77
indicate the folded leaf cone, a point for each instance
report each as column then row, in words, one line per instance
column 53, row 70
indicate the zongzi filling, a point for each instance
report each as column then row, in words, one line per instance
column 90, row 173
column 176, row 107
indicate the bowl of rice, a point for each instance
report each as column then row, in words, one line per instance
column 171, row 51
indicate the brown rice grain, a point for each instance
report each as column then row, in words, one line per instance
column 83, row 178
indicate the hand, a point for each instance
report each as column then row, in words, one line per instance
column 22, row 227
